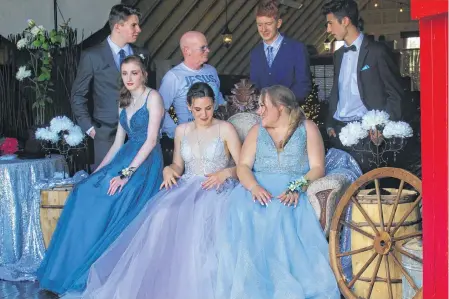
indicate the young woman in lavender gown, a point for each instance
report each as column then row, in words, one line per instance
column 101, row 206
column 168, row 251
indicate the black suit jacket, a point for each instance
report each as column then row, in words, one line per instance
column 98, row 79
column 379, row 86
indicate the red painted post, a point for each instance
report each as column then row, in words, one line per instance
column 433, row 26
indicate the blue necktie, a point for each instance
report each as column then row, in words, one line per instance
column 121, row 57
column 270, row 55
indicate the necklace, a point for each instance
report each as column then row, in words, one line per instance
column 135, row 99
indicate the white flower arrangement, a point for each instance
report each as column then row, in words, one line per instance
column 23, row 73
column 397, row 129
column 374, row 118
column 353, row 132
column 61, row 128
column 46, row 134
column 61, row 123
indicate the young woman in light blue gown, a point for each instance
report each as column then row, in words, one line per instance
column 272, row 246
column 168, row 251
column 101, row 206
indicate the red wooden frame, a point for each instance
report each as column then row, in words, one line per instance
column 433, row 26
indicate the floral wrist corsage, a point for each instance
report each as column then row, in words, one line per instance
column 297, row 185
column 126, row 172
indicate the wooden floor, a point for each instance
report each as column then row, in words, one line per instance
column 23, row 290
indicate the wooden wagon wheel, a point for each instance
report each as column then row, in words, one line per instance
column 383, row 240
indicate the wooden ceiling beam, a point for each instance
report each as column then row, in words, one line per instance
column 157, row 19
column 193, row 26
column 238, row 25
column 179, row 17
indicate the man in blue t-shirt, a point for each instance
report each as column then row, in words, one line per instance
column 178, row 80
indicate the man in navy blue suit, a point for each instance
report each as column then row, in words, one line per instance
column 278, row 60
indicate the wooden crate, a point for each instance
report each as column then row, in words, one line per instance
column 52, row 203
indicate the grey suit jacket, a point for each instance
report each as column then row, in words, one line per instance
column 98, row 79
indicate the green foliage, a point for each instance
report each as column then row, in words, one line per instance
column 41, row 45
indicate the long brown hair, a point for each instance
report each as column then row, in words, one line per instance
column 282, row 96
column 125, row 94
column 268, row 8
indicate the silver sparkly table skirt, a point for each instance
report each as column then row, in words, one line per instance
column 21, row 242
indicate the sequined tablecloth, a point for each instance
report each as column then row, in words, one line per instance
column 21, row 244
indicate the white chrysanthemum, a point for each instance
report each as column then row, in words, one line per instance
column 22, row 43
column 75, row 136
column 23, row 73
column 61, row 123
column 373, row 118
column 352, row 133
column 47, row 135
column 397, row 129
column 35, row 30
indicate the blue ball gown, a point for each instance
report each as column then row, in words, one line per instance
column 92, row 219
column 274, row 251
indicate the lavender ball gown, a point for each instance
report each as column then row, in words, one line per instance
column 167, row 252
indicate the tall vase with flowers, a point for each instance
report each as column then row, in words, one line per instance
column 41, row 45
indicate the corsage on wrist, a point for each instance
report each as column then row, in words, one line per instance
column 127, row 172
column 297, row 185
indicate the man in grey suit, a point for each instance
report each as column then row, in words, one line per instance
column 98, row 78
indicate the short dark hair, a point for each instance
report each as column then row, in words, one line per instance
column 341, row 9
column 121, row 13
column 200, row 90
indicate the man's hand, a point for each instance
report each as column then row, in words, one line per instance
column 92, row 133
column 331, row 132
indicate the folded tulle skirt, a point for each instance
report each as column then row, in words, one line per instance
column 168, row 251
column 274, row 251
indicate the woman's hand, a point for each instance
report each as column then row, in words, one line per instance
column 289, row 198
column 116, row 183
column 215, row 179
column 170, row 176
column 261, row 195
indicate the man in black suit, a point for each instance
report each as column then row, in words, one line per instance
column 98, row 76
column 365, row 75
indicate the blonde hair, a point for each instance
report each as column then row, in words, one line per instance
column 282, row 96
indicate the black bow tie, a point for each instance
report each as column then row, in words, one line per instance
column 350, row 48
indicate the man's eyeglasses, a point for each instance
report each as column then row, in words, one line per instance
column 204, row 48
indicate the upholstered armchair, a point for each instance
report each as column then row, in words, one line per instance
column 323, row 193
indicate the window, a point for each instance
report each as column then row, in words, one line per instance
column 324, row 77
column 412, row 42
column 338, row 44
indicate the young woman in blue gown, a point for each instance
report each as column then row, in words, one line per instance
column 101, row 206
column 272, row 245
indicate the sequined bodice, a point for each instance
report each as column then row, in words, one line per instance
column 204, row 158
column 292, row 160
column 136, row 126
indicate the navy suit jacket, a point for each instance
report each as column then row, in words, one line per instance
column 290, row 68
